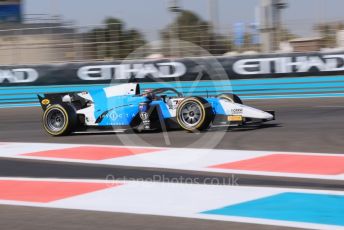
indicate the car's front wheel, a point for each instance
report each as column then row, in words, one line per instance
column 194, row 113
column 59, row 120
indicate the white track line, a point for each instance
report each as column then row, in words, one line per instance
column 168, row 199
column 168, row 158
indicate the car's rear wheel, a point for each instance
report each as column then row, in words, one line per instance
column 233, row 98
column 59, row 120
column 194, row 113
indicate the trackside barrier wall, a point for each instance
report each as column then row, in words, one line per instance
column 300, row 75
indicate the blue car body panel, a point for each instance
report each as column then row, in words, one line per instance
column 163, row 108
column 120, row 110
column 216, row 105
column 117, row 110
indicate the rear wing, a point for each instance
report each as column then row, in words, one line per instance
column 50, row 99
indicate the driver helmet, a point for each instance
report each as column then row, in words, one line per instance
column 147, row 92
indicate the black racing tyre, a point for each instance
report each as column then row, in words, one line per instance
column 194, row 113
column 230, row 97
column 59, row 120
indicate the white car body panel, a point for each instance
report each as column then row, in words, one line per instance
column 90, row 120
column 121, row 90
column 244, row 111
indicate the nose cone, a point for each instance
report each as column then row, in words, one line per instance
column 245, row 111
column 268, row 116
column 256, row 113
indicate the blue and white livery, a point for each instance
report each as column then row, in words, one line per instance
column 125, row 107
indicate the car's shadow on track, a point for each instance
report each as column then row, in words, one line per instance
column 246, row 128
column 129, row 131
column 214, row 129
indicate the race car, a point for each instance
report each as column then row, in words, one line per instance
column 125, row 107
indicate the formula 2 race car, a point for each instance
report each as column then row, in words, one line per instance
column 125, row 107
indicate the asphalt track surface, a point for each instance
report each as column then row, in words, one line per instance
column 302, row 125
column 308, row 125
